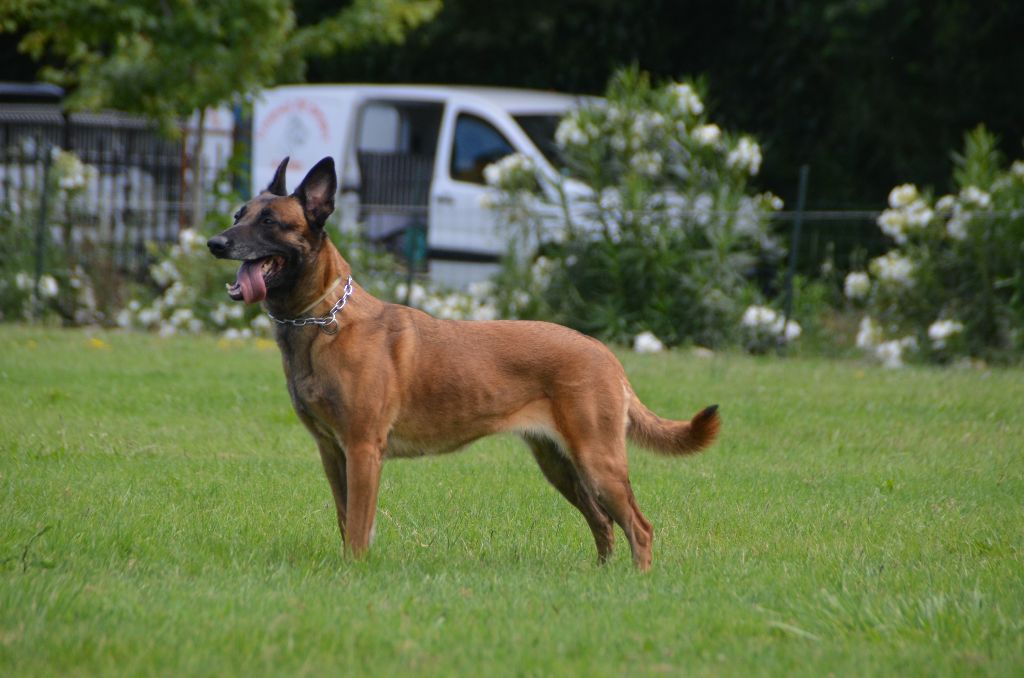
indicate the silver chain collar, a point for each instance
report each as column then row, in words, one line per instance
column 328, row 323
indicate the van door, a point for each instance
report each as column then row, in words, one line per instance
column 395, row 148
column 462, row 228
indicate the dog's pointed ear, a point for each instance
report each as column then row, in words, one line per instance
column 277, row 185
column 316, row 192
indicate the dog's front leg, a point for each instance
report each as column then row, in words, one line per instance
column 333, row 459
column 362, row 466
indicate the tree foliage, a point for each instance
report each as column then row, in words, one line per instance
column 167, row 58
column 867, row 92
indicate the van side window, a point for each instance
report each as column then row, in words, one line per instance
column 477, row 145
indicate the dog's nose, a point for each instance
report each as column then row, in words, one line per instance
column 218, row 245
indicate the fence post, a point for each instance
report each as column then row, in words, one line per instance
column 798, row 220
column 44, row 195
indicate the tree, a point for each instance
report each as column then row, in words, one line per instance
column 867, row 92
column 166, row 59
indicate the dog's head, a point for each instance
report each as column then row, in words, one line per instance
column 276, row 235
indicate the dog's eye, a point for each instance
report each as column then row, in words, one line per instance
column 238, row 215
column 269, row 221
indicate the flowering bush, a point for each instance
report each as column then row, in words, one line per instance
column 651, row 227
column 184, row 292
column 953, row 282
column 646, row 342
column 190, row 294
column 64, row 288
column 765, row 328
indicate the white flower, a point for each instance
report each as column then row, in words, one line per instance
column 759, row 317
column 484, row 312
column 164, row 273
column 792, row 331
column 646, row 342
column 748, row 218
column 975, row 195
column 647, row 162
column 687, row 99
column 918, row 214
column 869, row 334
column 87, row 298
column 893, row 223
column 148, row 316
column 774, row 201
column 945, row 204
column 418, row 295
column 167, row 330
column 520, row 299
column 891, row 352
column 764, row 320
column 901, row 196
column 261, row 323
column 502, row 171
column 124, row 318
column 541, row 270
column 746, row 156
column 48, row 287
column 857, row 285
column 702, row 206
column 181, row 317
column 610, row 200
column 23, row 281
column 191, row 241
column 175, row 293
column 481, row 290
column 231, row 334
column 708, row 135
column 893, row 268
column 956, row 227
column 1017, row 168
column 645, row 124
column 68, row 169
column 569, row 132
column 941, row 330
column 219, row 315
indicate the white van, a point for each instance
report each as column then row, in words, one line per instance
column 411, row 157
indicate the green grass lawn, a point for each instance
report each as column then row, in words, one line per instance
column 162, row 511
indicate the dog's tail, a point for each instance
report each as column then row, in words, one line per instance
column 665, row 436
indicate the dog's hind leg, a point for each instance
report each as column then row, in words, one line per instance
column 603, row 470
column 560, row 472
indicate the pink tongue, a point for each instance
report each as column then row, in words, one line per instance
column 250, row 279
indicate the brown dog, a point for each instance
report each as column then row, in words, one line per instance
column 372, row 380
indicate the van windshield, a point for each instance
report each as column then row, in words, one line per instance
column 541, row 130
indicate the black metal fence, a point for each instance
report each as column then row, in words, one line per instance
column 134, row 187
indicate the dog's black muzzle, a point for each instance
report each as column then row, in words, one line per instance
column 219, row 246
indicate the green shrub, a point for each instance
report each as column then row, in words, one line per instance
column 187, row 294
column 64, row 289
column 652, row 225
column 952, row 284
